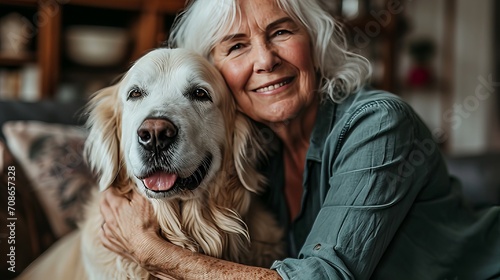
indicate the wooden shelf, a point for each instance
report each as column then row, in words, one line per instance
column 167, row 7
column 28, row 3
column 170, row 7
column 109, row 4
column 17, row 60
column 144, row 18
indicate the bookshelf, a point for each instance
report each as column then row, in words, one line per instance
column 45, row 25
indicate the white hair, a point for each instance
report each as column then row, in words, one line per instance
column 203, row 23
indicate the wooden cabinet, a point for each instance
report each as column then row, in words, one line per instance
column 46, row 23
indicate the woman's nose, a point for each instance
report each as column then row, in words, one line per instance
column 266, row 59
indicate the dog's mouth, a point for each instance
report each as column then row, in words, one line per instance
column 162, row 181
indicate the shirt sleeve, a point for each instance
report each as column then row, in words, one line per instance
column 374, row 176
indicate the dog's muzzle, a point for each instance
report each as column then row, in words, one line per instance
column 156, row 136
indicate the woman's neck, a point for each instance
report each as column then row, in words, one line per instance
column 295, row 133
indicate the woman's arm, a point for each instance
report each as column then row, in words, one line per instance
column 370, row 180
column 131, row 231
column 184, row 264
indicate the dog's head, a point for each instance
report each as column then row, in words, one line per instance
column 166, row 125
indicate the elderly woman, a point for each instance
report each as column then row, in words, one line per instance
column 358, row 183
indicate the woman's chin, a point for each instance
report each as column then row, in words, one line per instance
column 282, row 118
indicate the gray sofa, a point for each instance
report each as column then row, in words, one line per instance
column 480, row 177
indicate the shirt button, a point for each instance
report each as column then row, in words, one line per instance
column 317, row 247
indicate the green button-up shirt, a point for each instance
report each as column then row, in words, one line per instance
column 378, row 202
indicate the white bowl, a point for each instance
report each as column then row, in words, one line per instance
column 96, row 45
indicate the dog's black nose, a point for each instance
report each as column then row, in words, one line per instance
column 156, row 133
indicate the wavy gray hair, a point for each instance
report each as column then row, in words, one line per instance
column 203, row 23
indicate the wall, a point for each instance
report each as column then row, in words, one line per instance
column 469, row 113
column 474, row 76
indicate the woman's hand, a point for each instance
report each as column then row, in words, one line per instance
column 129, row 223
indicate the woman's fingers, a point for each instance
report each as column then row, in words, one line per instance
column 110, row 242
column 128, row 221
column 113, row 198
column 112, row 235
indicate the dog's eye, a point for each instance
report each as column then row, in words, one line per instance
column 135, row 93
column 201, row 94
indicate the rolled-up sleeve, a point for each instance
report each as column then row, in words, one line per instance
column 374, row 171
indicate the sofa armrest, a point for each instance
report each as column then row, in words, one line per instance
column 70, row 113
column 479, row 177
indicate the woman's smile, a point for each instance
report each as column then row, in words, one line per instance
column 275, row 87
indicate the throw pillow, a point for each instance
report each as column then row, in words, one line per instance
column 52, row 156
column 26, row 233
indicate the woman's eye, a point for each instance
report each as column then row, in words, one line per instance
column 282, row 32
column 235, row 47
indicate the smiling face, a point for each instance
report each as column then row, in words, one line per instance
column 173, row 129
column 266, row 61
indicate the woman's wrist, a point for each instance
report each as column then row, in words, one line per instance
column 150, row 249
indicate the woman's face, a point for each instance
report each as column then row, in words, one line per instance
column 267, row 63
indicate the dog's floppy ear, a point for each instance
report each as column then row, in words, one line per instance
column 247, row 151
column 102, row 148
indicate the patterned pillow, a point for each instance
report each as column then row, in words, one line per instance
column 27, row 228
column 51, row 155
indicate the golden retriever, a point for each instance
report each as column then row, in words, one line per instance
column 170, row 129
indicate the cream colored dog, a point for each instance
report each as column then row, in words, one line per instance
column 170, row 130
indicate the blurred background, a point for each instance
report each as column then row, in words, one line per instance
column 438, row 55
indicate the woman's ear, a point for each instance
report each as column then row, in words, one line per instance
column 102, row 148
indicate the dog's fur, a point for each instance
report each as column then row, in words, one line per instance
column 218, row 215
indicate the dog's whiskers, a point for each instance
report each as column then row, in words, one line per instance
column 199, row 175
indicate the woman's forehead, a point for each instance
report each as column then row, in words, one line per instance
column 255, row 13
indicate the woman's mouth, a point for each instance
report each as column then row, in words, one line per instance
column 274, row 86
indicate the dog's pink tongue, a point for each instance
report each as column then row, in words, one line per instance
column 160, row 181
